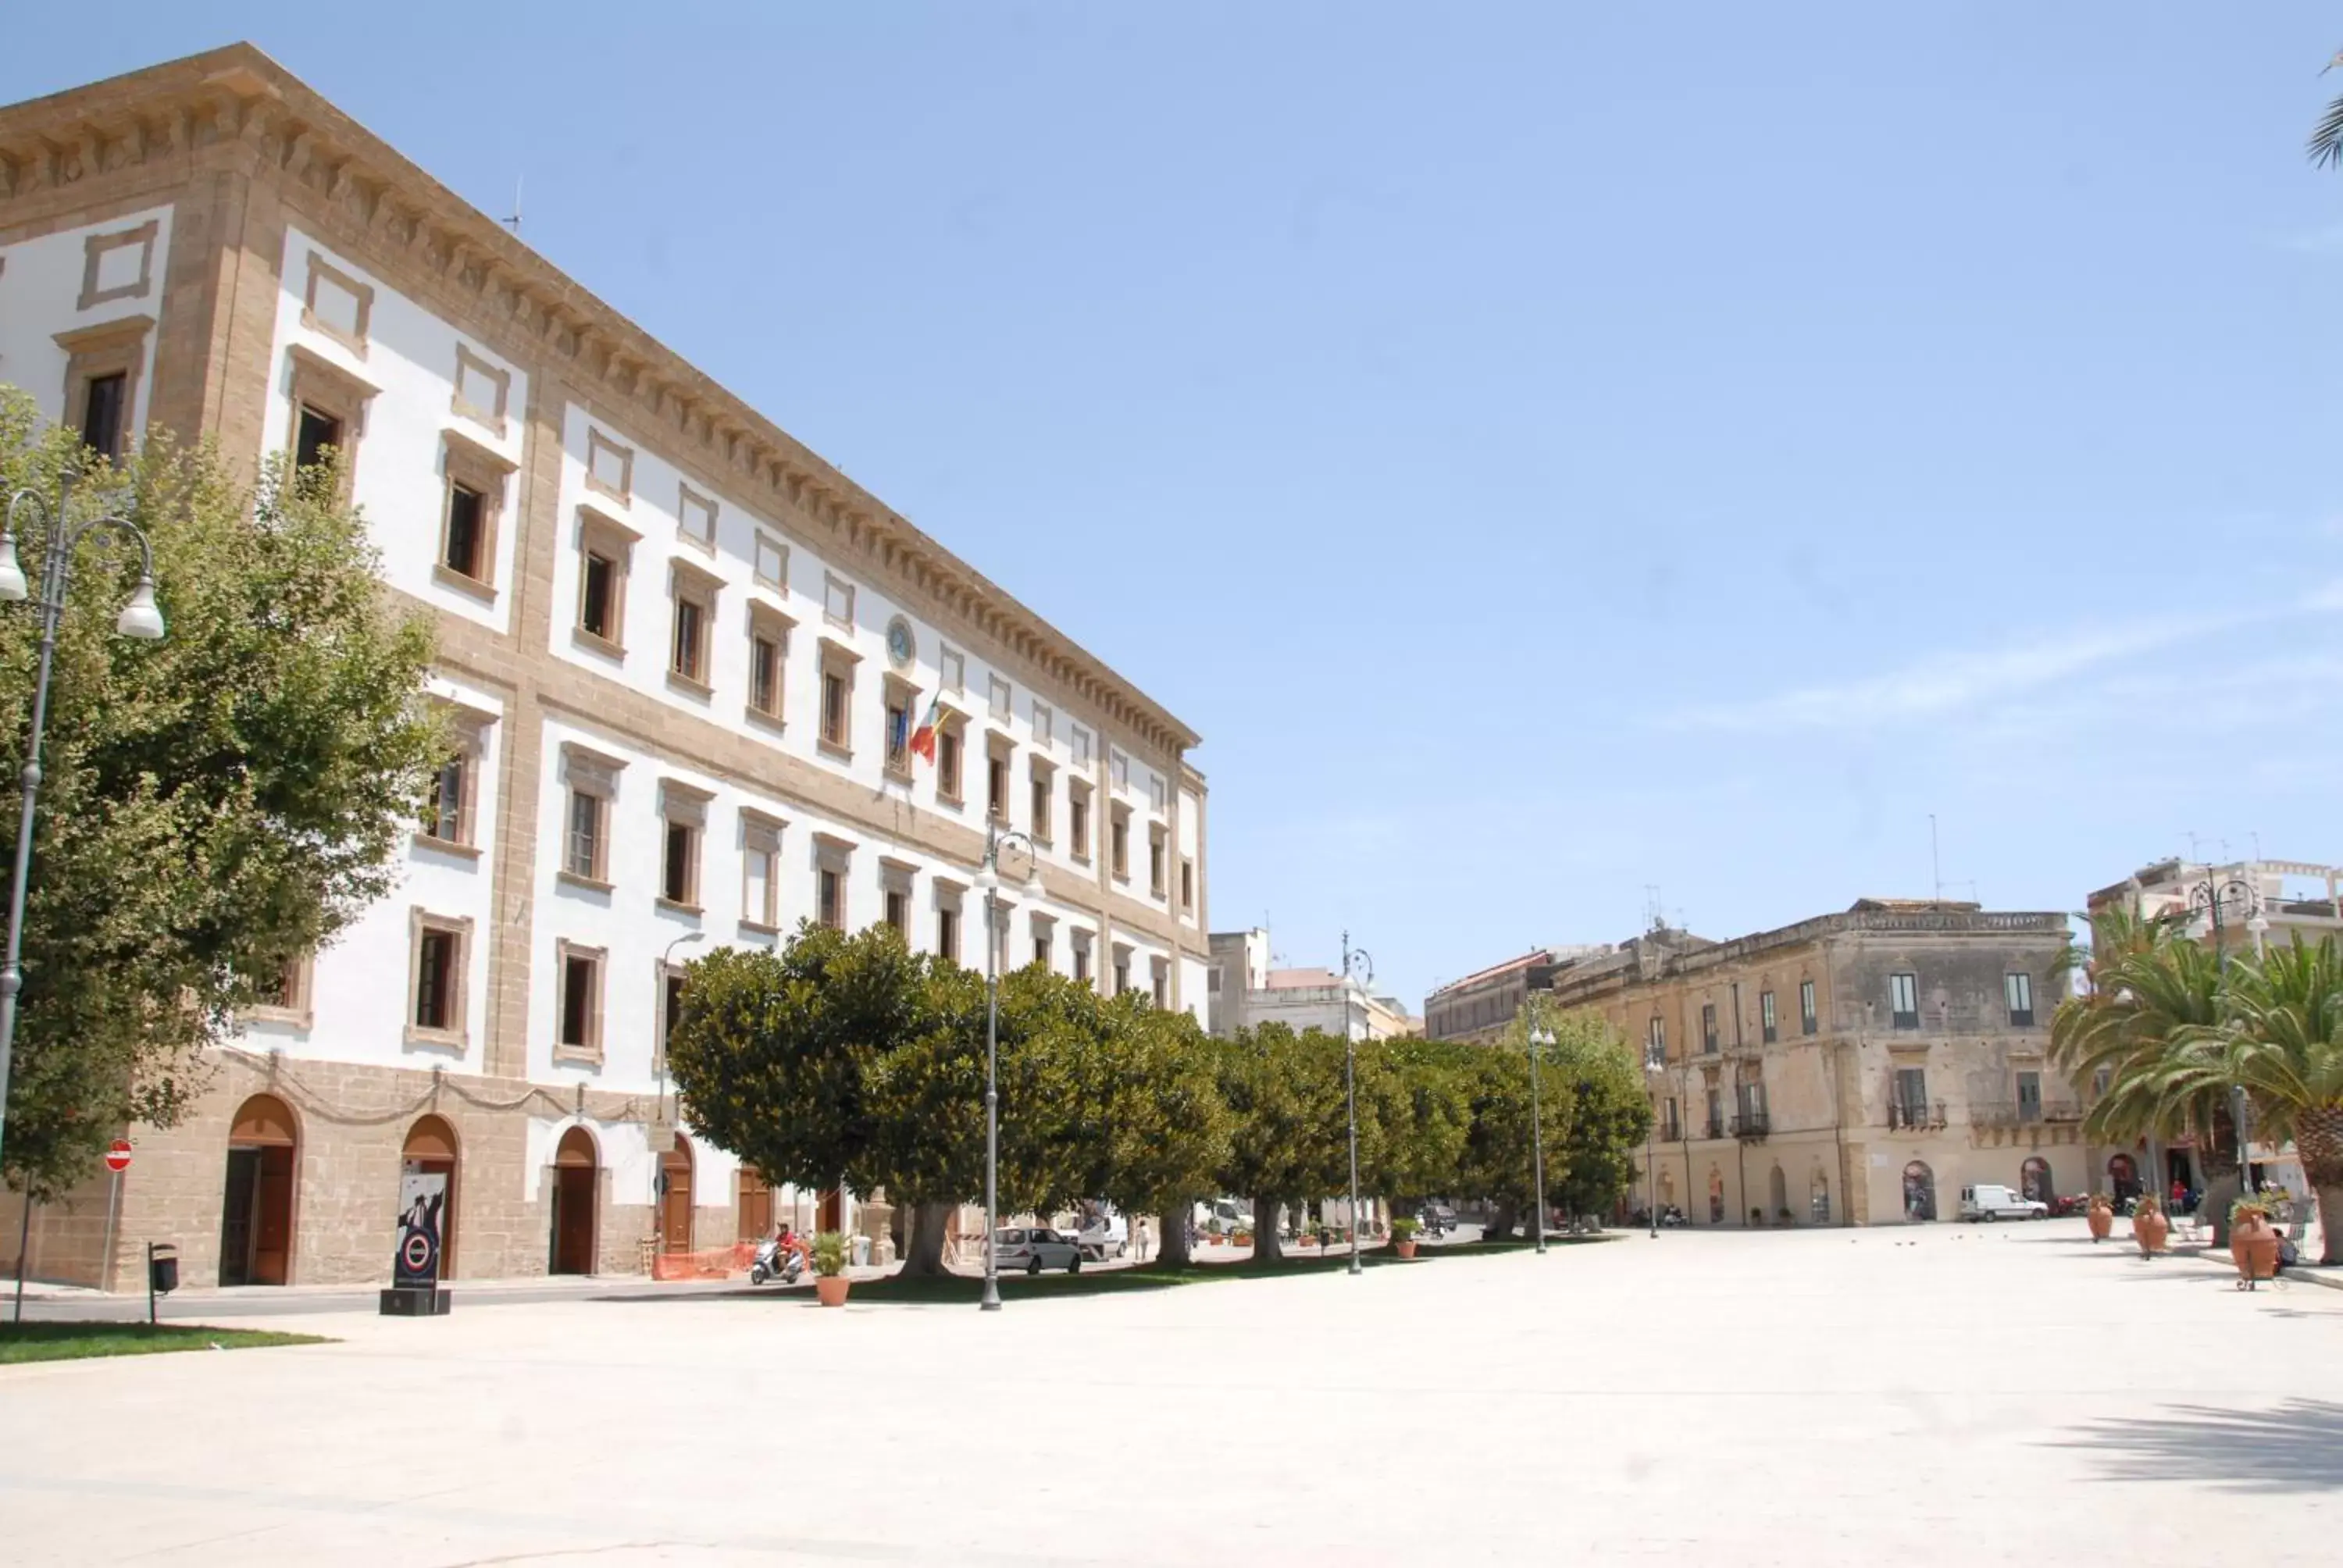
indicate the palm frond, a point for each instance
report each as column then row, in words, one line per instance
column 2325, row 148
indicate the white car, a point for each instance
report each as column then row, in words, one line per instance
column 1988, row 1201
column 1104, row 1236
column 1034, row 1247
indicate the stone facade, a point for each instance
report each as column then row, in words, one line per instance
column 442, row 346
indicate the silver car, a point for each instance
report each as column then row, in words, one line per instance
column 1034, row 1247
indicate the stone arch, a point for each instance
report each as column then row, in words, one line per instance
column 1778, row 1195
column 431, row 1149
column 1919, row 1190
column 575, row 1201
column 257, row 1202
column 2033, row 1180
column 1818, row 1197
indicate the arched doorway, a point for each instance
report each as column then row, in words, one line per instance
column 256, row 1208
column 674, row 1196
column 752, row 1205
column 1777, row 1192
column 1667, row 1189
column 2123, row 1177
column 2033, row 1180
column 430, row 1150
column 1715, row 1196
column 1919, row 1191
column 575, row 1183
column 1818, row 1197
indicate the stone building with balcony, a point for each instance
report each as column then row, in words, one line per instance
column 1857, row 1067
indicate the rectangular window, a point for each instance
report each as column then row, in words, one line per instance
column 1911, row 1106
column 679, row 864
column 1080, row 740
column 998, row 697
column 1809, row 1021
column 435, row 979
column 1118, row 843
column 444, row 821
column 696, row 517
column 1671, row 1127
column 1156, row 886
column 1041, row 949
column 581, row 975
column 319, row 435
column 1041, row 723
column 947, row 932
column 838, row 601
column 834, row 693
column 1077, row 821
column 899, row 729
column 952, row 669
column 1122, row 970
column 1708, row 1026
column 609, row 467
column 2019, row 989
column 598, row 596
column 948, row 752
column 899, row 910
column 830, row 898
column 585, row 858
column 772, row 565
column 1159, row 983
column 2029, row 1097
column 688, row 648
column 104, row 411
column 996, row 781
column 1904, row 1000
column 1655, row 1040
column 1187, row 884
column 1038, row 824
column 1083, row 961
column 462, row 553
column 761, row 879
column 765, row 674
column 1739, row 1039
column 1717, row 1113
column 1767, row 1026
column 1117, row 767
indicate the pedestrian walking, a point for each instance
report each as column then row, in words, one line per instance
column 1142, row 1241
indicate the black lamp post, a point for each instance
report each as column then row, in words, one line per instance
column 1355, row 962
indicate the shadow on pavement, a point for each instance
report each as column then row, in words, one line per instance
column 2296, row 1447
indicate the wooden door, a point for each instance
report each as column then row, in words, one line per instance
column 272, row 1217
column 573, row 1219
column 235, row 1217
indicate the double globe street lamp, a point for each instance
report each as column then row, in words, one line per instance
column 1541, row 1040
column 141, row 619
column 987, row 884
column 1355, row 962
column 2206, row 900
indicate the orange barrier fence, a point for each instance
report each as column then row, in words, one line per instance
column 708, row 1264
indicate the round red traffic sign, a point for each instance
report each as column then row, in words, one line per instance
column 118, row 1157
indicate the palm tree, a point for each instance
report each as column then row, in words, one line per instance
column 2146, row 1022
column 2283, row 1044
column 2325, row 145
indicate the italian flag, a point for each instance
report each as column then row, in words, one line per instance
column 924, row 739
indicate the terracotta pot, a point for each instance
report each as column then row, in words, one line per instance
column 2149, row 1230
column 2253, row 1246
column 830, row 1288
column 1407, row 1249
column 2102, row 1220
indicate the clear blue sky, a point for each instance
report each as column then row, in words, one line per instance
column 1545, row 449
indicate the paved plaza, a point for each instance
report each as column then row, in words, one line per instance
column 1945, row 1395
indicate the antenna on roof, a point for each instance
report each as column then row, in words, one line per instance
column 2256, row 837
column 513, row 222
column 1654, row 917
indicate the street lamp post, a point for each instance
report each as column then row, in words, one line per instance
column 1655, row 1063
column 1541, row 1037
column 140, row 619
column 987, row 883
column 1355, row 962
column 2204, row 902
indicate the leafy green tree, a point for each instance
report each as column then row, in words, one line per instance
column 213, row 804
column 1610, row 1112
column 1499, row 1148
column 1290, row 1139
column 1422, row 1116
column 1152, row 1126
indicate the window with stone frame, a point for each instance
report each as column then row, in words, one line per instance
column 768, row 652
column 838, row 664
column 329, row 406
column 481, row 390
column 1078, row 820
column 761, row 872
column 771, row 564
column 1808, row 1020
column 118, row 264
column 1118, row 840
column 833, row 860
column 1187, row 885
column 895, row 882
column 577, row 973
column 337, row 306
column 1768, row 1026
column 609, row 467
column 472, row 501
column 899, row 696
column 951, row 752
column 695, row 517
column 606, row 553
column 451, row 816
column 1079, row 947
column 948, row 925
column 1042, row 785
column 691, row 606
column 593, row 781
column 104, row 367
column 437, row 958
column 1157, row 854
column 998, row 751
column 1045, row 931
column 284, row 996
column 1159, row 981
column 1121, row 969
column 683, row 825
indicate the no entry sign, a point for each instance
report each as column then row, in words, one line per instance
column 117, row 1158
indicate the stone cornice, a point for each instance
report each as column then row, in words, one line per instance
column 238, row 99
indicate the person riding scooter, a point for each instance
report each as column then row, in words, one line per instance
column 782, row 1257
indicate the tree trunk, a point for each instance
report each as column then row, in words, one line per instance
column 1268, row 1247
column 2330, row 1223
column 923, row 1259
column 2318, row 1136
column 1173, row 1225
column 2220, row 1192
column 1500, row 1227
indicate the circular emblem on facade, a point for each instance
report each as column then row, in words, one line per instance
column 899, row 647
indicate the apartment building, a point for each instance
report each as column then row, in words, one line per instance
column 685, row 654
column 1484, row 1004
column 1246, row 990
column 1855, row 1068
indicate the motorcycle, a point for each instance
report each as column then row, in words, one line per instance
column 768, row 1264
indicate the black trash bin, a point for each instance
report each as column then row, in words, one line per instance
column 162, row 1273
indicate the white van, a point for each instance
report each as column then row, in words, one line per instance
column 1987, row 1201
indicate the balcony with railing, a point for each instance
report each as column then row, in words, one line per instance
column 1671, row 1131
column 2009, row 1113
column 1751, row 1126
column 1916, row 1116
column 1715, row 1128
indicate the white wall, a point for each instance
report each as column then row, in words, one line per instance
column 40, row 293
column 399, row 477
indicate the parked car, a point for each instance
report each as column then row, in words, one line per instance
column 1437, row 1217
column 1986, row 1201
column 1232, row 1216
column 1034, row 1247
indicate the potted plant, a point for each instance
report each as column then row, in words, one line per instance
column 2148, row 1226
column 1403, row 1235
column 2253, row 1242
column 1784, row 1217
column 1240, row 1239
column 2101, row 1216
column 1757, row 1216
column 829, row 1280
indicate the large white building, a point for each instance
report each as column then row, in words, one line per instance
column 685, row 654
